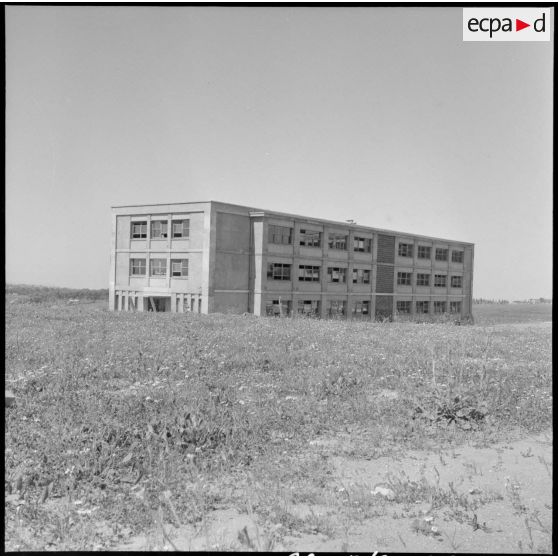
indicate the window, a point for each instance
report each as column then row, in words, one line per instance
column 457, row 256
column 405, row 250
column 440, row 280
column 181, row 228
column 422, row 307
column 137, row 266
column 361, row 244
column 403, row 306
column 309, row 273
column 278, row 308
column 158, row 266
column 337, row 274
column 336, row 308
column 439, row 307
column 337, row 241
column 139, row 229
column 279, row 272
column 159, row 229
column 423, row 279
column 423, row 252
column 361, row 276
column 361, row 308
column 179, row 268
column 403, row 278
column 442, row 254
column 309, row 307
column 280, row 235
column 456, row 281
column 310, row 238
column 455, row 307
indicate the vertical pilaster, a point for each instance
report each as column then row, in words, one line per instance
column 112, row 263
column 373, row 275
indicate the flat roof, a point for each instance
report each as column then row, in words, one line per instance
column 344, row 224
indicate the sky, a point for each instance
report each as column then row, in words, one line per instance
column 380, row 115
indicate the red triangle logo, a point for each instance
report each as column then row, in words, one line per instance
column 519, row 25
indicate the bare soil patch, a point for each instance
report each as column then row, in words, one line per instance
column 468, row 499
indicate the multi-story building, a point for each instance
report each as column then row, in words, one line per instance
column 218, row 257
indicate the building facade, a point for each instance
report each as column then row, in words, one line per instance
column 216, row 257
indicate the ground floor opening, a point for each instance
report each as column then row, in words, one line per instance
column 157, row 303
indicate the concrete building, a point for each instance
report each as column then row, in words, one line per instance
column 217, row 257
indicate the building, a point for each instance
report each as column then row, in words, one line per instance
column 217, row 257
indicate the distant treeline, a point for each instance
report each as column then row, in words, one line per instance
column 527, row 301
column 37, row 293
column 489, row 301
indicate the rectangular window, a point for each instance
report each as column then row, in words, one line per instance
column 336, row 308
column 423, row 279
column 422, row 307
column 457, row 256
column 278, row 308
column 361, row 308
column 361, row 276
column 158, row 267
column 455, row 307
column 403, row 278
column 181, row 228
column 137, row 266
column 139, row 229
column 403, row 306
column 310, row 238
column 280, row 235
column 405, row 250
column 439, row 307
column 423, row 252
column 309, row 273
column 159, row 229
column 456, row 281
column 361, row 244
column 179, row 268
column 441, row 254
column 337, row 241
column 279, row 271
column 440, row 280
column 309, row 307
column 337, row 274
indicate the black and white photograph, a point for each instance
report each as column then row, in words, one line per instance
column 278, row 278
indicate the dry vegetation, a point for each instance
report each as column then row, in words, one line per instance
column 125, row 420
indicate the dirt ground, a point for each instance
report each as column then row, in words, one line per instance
column 496, row 500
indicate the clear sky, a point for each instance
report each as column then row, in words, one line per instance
column 381, row 115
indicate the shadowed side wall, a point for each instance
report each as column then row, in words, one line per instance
column 231, row 281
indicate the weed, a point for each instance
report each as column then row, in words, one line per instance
column 135, row 413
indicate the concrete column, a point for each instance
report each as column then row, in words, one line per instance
column 148, row 239
column 373, row 274
column 258, row 281
column 168, row 277
column 323, row 277
column 112, row 264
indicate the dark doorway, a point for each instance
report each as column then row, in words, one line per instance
column 158, row 303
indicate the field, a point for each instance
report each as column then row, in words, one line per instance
column 487, row 314
column 188, row 432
